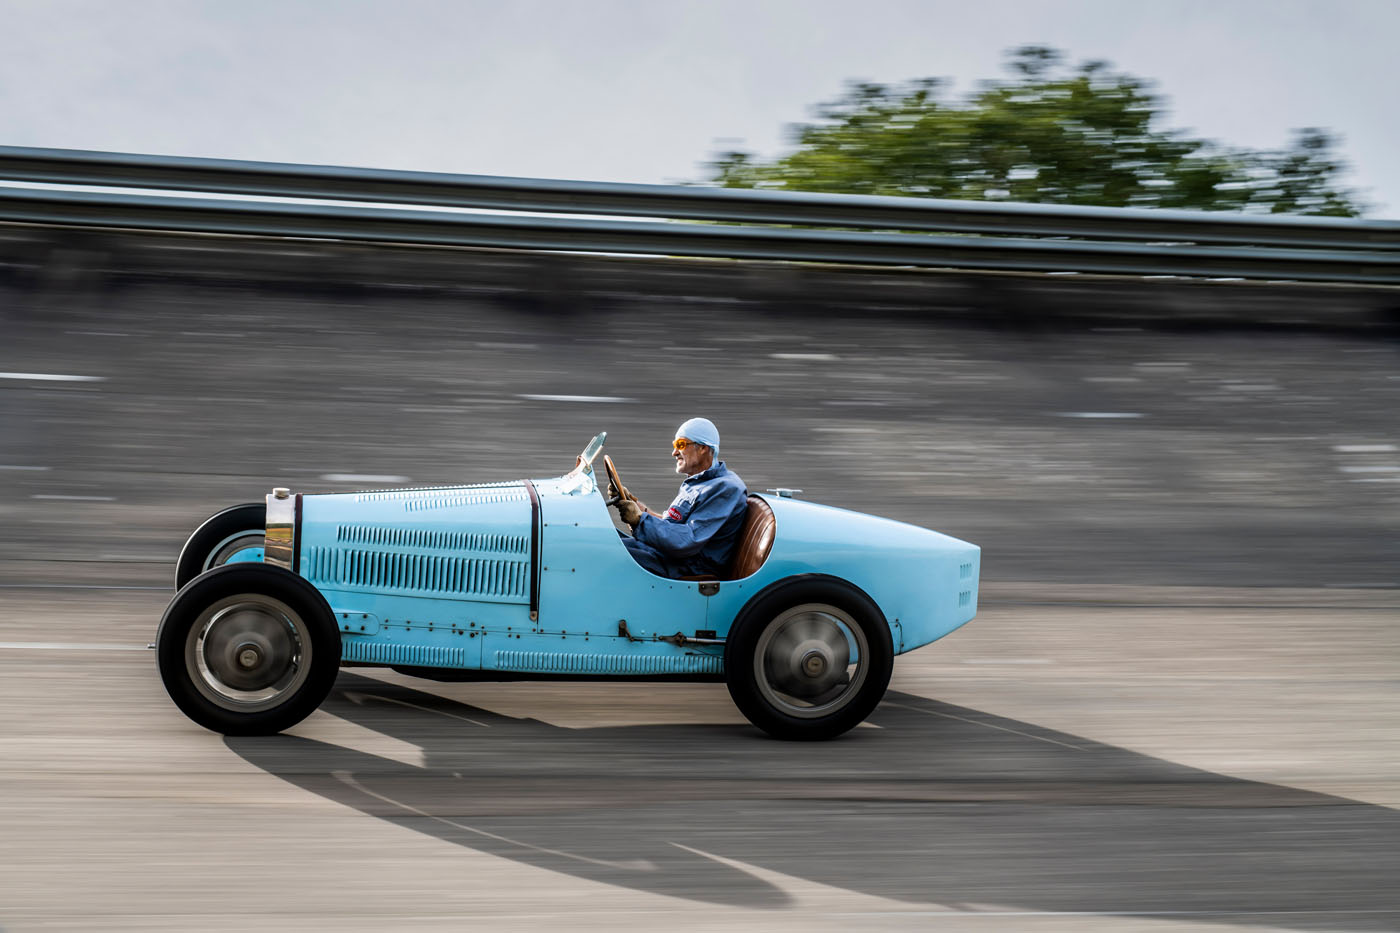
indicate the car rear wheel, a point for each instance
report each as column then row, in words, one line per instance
column 232, row 536
column 808, row 659
column 248, row 649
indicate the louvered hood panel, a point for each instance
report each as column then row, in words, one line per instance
column 455, row 542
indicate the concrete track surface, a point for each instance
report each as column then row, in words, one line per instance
column 1176, row 710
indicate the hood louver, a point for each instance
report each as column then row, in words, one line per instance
column 494, row 568
column 448, row 542
column 418, row 500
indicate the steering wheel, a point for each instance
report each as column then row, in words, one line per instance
column 615, row 484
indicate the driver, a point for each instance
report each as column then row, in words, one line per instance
column 698, row 533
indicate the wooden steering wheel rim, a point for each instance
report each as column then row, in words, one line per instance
column 614, row 481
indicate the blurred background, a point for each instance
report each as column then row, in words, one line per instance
column 1150, row 432
column 1177, row 707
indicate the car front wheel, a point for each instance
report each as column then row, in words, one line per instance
column 808, row 659
column 248, row 649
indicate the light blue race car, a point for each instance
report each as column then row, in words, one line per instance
column 529, row 579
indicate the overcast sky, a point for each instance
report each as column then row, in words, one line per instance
column 647, row 91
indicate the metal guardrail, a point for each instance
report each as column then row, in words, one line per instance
column 742, row 224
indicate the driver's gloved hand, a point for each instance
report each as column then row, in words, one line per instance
column 630, row 510
column 626, row 493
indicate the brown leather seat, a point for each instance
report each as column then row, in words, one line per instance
column 755, row 540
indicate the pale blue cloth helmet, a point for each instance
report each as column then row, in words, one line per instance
column 701, row 431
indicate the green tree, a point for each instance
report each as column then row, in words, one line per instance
column 1050, row 133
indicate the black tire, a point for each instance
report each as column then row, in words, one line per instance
column 221, row 536
column 800, row 622
column 248, row 649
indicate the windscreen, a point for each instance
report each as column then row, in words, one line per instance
column 591, row 452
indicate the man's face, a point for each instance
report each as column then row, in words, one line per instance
column 692, row 458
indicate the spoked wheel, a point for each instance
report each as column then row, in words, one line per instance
column 248, row 649
column 234, row 535
column 808, row 659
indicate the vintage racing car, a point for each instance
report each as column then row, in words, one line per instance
column 529, row 579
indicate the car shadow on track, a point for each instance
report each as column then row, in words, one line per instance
column 942, row 806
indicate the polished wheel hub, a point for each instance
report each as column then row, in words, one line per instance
column 811, row 661
column 247, row 651
column 248, row 647
column 249, row 657
column 807, row 655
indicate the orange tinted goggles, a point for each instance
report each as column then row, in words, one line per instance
column 680, row 444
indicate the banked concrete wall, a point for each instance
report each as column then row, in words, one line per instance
column 63, row 260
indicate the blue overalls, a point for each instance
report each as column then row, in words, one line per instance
column 700, row 529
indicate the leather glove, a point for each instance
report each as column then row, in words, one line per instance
column 625, row 493
column 630, row 510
